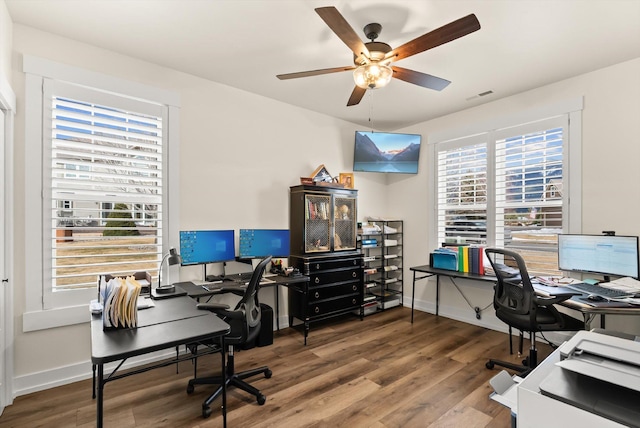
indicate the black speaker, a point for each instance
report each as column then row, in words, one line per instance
column 265, row 338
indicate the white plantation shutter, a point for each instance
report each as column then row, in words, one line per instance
column 506, row 188
column 104, row 189
column 462, row 191
column 529, row 190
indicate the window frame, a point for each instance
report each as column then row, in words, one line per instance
column 494, row 128
column 42, row 309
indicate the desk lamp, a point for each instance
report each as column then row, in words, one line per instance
column 173, row 258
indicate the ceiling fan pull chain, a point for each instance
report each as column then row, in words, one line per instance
column 370, row 109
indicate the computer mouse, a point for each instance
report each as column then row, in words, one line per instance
column 595, row 298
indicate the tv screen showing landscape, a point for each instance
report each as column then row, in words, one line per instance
column 386, row 152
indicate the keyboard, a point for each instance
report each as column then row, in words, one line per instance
column 599, row 290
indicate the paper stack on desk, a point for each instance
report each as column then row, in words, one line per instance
column 629, row 285
column 119, row 297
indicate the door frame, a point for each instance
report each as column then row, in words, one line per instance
column 8, row 107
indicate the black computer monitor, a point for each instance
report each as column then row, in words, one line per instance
column 260, row 243
column 601, row 254
column 200, row 247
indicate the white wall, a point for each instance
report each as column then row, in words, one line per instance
column 610, row 182
column 239, row 154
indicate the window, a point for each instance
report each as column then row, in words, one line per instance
column 507, row 188
column 108, row 147
column 116, row 156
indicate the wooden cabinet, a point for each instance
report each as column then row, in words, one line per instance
column 323, row 231
column 381, row 246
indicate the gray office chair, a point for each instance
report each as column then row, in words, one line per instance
column 245, row 322
column 517, row 304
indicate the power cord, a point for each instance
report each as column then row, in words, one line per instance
column 476, row 309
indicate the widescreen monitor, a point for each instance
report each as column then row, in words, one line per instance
column 386, row 152
column 601, row 254
column 260, row 243
column 198, row 247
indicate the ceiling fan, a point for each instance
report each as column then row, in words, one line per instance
column 372, row 60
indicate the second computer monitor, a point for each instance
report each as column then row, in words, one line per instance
column 260, row 243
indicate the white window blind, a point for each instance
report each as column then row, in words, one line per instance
column 106, row 187
column 506, row 188
column 529, row 188
column 462, row 193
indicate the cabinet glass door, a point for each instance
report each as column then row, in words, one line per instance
column 317, row 228
column 345, row 224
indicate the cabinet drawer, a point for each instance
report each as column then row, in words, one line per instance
column 320, row 265
column 324, row 278
column 321, row 293
column 339, row 304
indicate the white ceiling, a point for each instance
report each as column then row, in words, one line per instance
column 522, row 45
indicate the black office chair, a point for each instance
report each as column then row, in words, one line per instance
column 245, row 327
column 517, row 304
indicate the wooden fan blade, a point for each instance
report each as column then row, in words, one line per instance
column 314, row 72
column 420, row 79
column 437, row 37
column 356, row 96
column 344, row 31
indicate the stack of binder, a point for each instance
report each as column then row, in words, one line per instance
column 119, row 298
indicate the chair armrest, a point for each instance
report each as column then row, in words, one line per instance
column 213, row 307
column 548, row 301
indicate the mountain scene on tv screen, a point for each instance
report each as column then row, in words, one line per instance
column 394, row 158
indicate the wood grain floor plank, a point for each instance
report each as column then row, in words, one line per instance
column 381, row 372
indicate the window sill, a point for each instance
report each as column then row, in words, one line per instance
column 52, row 318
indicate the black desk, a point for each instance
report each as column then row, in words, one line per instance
column 172, row 322
column 428, row 272
column 198, row 291
column 588, row 309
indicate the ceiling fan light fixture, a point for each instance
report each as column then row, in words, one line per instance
column 372, row 75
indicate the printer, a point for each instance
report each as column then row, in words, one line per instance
column 598, row 373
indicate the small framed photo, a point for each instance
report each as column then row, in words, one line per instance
column 346, row 178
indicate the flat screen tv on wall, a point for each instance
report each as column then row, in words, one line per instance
column 386, row 152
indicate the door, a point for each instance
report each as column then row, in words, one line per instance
column 3, row 266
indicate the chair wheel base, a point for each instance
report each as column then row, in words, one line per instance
column 206, row 411
column 261, row 399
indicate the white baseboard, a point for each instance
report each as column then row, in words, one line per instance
column 40, row 381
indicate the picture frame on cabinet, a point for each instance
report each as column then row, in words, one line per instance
column 321, row 174
column 346, row 178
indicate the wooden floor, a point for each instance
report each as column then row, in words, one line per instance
column 379, row 372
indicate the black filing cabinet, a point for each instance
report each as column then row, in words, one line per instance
column 335, row 287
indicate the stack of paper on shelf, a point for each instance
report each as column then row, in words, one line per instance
column 119, row 297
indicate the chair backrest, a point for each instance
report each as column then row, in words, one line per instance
column 249, row 303
column 514, row 293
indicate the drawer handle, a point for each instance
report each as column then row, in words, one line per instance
column 317, row 310
column 353, row 301
column 317, row 266
column 317, row 295
column 355, row 287
column 317, row 280
column 354, row 274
